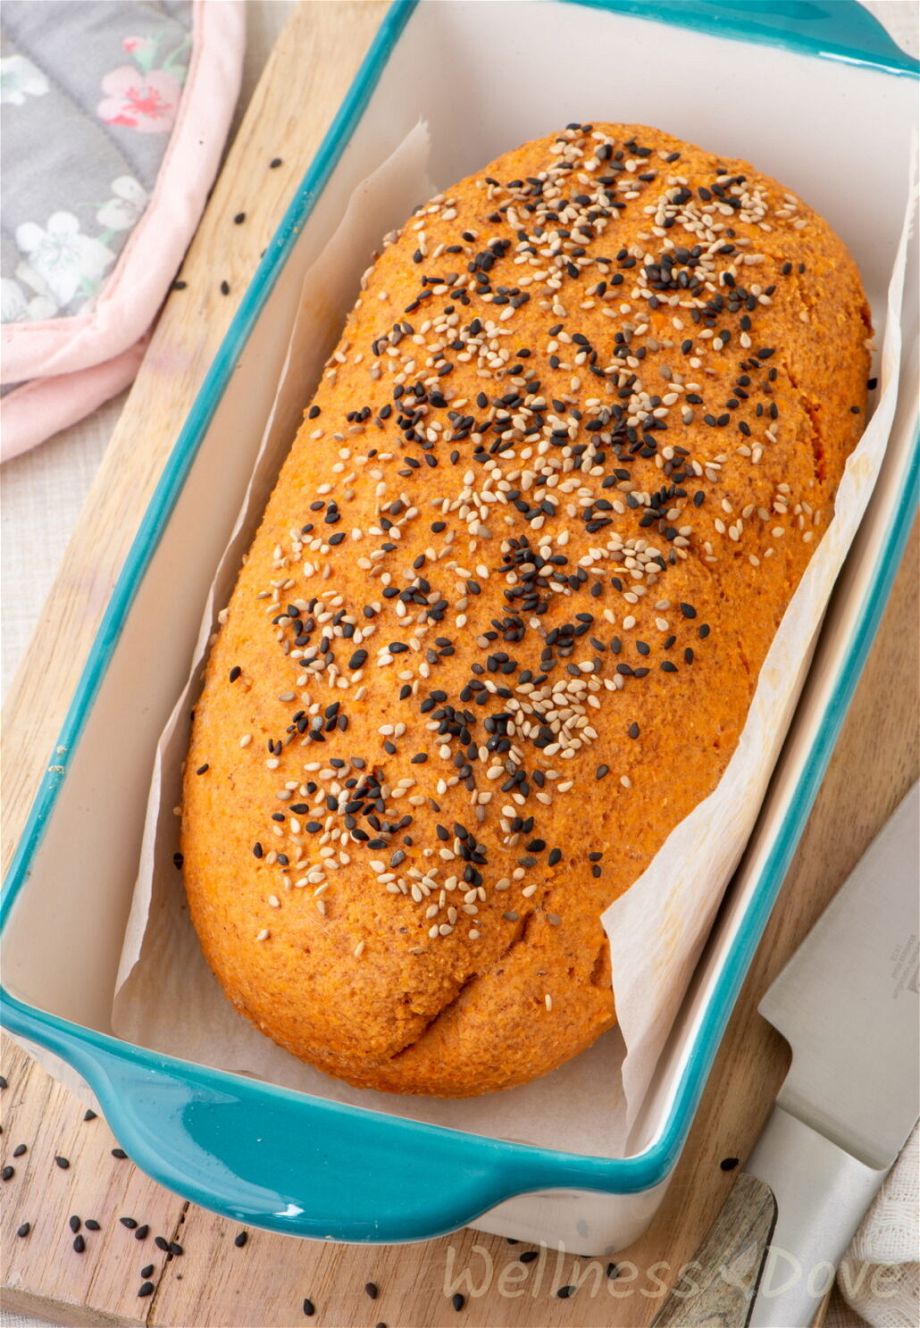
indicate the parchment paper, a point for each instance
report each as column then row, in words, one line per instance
column 167, row 999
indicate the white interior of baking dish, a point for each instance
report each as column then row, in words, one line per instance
column 484, row 76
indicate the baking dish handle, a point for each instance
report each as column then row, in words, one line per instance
column 291, row 1163
column 839, row 29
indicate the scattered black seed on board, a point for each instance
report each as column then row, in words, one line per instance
column 142, row 1232
column 240, row 1239
column 146, row 1289
column 529, row 1256
column 75, row 1224
column 62, row 1162
column 380, row 1325
column 371, row 1289
column 728, row 1163
column 565, row 1291
column 79, row 1244
column 120, row 1154
column 613, row 1271
column 92, row 1225
column 89, row 1114
column 239, row 219
column 458, row 1300
column 19, row 1150
column 225, row 287
column 8, row 1172
column 147, row 1270
column 309, row 1308
column 274, row 163
column 175, row 1248
column 23, row 1230
column 3, row 1081
column 161, row 1243
column 179, row 285
column 128, row 1222
column 203, row 769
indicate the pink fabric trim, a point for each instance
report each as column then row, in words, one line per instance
column 135, row 290
column 38, row 409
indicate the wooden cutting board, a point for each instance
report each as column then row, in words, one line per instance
column 217, row 1281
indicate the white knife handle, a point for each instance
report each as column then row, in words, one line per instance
column 821, row 1194
column 782, row 1231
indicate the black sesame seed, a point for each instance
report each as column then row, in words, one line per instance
column 309, row 1308
column 142, row 1232
column 565, row 1291
column 728, row 1163
column 75, row 1224
column 458, row 1301
column 274, row 163
column 239, row 219
column 175, row 1248
column 19, row 1150
column 613, row 1271
column 203, row 769
column 119, row 1153
column 62, row 1162
column 225, row 288
column 147, row 1270
column 146, row 1289
column 235, row 672
column 23, row 1230
column 240, row 1239
column 161, row 1243
column 633, row 730
column 89, row 1114
column 179, row 285
column 79, row 1244
column 7, row 1173
column 92, row 1225
column 371, row 1289
column 128, row 1222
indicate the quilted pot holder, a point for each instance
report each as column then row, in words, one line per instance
column 114, row 116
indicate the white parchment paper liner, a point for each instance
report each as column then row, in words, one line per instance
column 167, row 999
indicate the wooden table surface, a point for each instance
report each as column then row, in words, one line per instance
column 216, row 1281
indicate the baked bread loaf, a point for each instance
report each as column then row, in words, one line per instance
column 500, row 626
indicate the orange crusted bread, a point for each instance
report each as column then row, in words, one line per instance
column 501, row 623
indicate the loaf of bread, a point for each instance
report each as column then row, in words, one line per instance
column 500, row 626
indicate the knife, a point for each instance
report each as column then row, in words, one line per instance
column 847, row 1003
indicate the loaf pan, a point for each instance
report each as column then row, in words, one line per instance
column 823, row 77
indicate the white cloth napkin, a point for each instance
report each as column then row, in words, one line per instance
column 879, row 1277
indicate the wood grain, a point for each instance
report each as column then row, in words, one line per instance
column 215, row 1283
column 730, row 1261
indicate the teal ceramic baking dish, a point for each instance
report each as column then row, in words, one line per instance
column 825, row 72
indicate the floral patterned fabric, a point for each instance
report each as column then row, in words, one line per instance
column 89, row 91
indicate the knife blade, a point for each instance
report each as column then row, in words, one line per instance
column 847, row 1003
